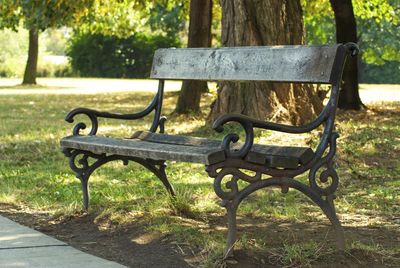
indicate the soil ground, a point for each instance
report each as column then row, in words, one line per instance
column 132, row 246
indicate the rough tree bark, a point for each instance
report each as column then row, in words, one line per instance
column 346, row 31
column 31, row 64
column 199, row 36
column 257, row 23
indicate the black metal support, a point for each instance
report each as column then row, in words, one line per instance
column 232, row 196
column 322, row 196
column 231, row 209
column 93, row 115
column 78, row 159
column 321, row 169
column 79, row 163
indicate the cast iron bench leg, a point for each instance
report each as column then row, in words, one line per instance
column 232, row 229
column 232, row 196
column 79, row 163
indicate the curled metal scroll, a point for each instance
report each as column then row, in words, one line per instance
column 234, row 138
column 232, row 198
column 93, row 115
column 231, row 184
column 325, row 162
column 79, row 163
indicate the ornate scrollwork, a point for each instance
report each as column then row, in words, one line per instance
column 79, row 163
column 232, row 183
column 92, row 114
column 233, row 137
column 329, row 172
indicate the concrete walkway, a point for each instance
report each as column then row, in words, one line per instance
column 23, row 247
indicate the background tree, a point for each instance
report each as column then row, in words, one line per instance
column 37, row 16
column 346, row 31
column 377, row 35
column 199, row 36
column 257, row 23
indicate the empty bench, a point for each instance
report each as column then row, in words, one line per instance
column 227, row 157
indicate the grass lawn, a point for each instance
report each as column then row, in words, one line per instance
column 35, row 177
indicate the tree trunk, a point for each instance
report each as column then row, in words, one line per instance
column 199, row 36
column 257, row 23
column 31, row 64
column 346, row 31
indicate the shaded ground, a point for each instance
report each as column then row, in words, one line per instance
column 127, row 245
column 133, row 246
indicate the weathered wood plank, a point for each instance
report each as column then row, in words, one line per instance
column 308, row 64
column 271, row 156
column 144, row 149
column 187, row 149
column 280, row 156
column 175, row 139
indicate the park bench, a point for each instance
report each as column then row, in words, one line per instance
column 228, row 158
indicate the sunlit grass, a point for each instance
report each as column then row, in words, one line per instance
column 34, row 173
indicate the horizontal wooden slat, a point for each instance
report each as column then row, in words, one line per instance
column 175, row 139
column 144, row 149
column 308, row 64
column 158, row 146
column 280, row 156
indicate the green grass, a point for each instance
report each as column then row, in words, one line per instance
column 35, row 174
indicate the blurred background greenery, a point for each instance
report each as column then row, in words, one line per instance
column 124, row 47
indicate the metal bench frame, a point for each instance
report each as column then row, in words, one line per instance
column 320, row 168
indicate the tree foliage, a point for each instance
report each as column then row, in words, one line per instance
column 41, row 14
column 169, row 18
column 37, row 16
column 124, row 18
column 377, row 22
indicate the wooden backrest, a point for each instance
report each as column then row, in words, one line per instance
column 305, row 64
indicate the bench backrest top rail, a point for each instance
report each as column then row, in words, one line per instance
column 303, row 64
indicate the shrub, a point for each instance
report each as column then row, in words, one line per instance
column 388, row 73
column 12, row 67
column 13, row 50
column 49, row 69
column 97, row 55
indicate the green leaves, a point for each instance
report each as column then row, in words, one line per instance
column 9, row 14
column 378, row 10
column 112, row 17
column 123, row 18
column 377, row 27
column 42, row 14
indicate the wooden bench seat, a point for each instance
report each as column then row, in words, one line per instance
column 158, row 146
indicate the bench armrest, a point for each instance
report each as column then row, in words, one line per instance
column 239, row 118
column 249, row 124
column 93, row 115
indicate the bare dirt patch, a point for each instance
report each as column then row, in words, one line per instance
column 128, row 245
column 132, row 245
